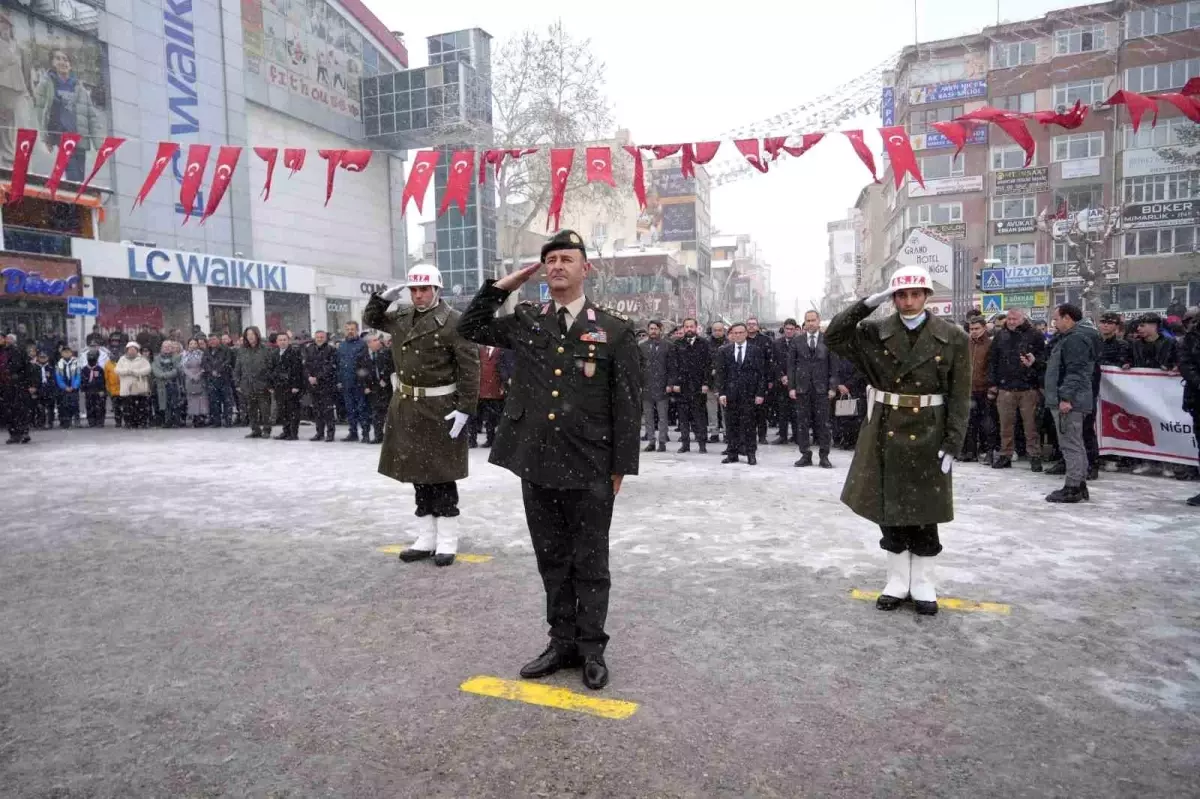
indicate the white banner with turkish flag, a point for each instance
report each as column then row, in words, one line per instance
column 1140, row 415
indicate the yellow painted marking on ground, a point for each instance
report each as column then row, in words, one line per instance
column 396, row 549
column 549, row 696
column 965, row 605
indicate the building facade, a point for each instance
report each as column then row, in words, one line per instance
column 841, row 266
column 986, row 201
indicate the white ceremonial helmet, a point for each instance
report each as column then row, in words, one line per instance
column 911, row 277
column 424, row 275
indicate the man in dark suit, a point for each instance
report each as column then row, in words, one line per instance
column 742, row 383
column 571, row 433
column 781, row 360
column 813, row 383
column 656, row 357
column 374, row 371
column 756, row 338
column 690, row 368
column 287, row 379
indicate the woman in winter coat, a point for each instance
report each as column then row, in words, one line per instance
column 252, row 376
column 134, row 371
column 195, row 387
column 166, row 384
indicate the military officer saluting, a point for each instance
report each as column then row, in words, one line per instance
column 436, row 386
column 918, row 401
column 570, row 431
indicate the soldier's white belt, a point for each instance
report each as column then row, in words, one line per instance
column 416, row 392
column 874, row 395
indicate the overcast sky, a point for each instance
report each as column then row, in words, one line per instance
column 678, row 72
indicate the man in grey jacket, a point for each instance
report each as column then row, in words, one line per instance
column 656, row 355
column 1069, row 396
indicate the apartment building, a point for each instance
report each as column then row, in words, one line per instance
column 985, row 202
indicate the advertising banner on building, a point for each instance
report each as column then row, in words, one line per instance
column 1007, row 226
column 1067, row 274
column 887, row 106
column 1150, row 161
column 935, row 188
column 671, row 207
column 953, row 230
column 34, row 277
column 1163, row 214
column 1033, row 276
column 942, row 92
column 1079, row 168
column 678, row 222
column 937, row 256
column 55, row 81
column 1140, row 415
column 1023, row 181
column 935, row 140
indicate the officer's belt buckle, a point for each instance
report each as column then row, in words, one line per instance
column 416, row 392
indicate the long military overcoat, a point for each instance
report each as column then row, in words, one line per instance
column 896, row 477
column 428, row 352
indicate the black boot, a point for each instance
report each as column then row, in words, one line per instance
column 329, row 435
column 662, row 447
column 730, row 459
column 651, row 447
column 1035, row 465
column 1093, row 472
column 318, row 437
column 685, row 448
column 703, row 447
column 1058, row 468
column 352, row 435
column 805, row 460
column 824, row 462
column 1068, row 494
column 1194, row 501
column 1002, row 462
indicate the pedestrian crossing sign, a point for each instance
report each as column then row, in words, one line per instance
column 992, row 279
column 993, row 303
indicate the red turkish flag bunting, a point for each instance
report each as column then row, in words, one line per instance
column 698, row 153
column 955, row 132
column 777, row 144
column 639, row 175
column 496, row 159
column 1191, row 88
column 227, row 160
column 900, row 151
column 749, row 149
column 349, row 160
column 1069, row 120
column 1014, row 126
column 418, row 179
column 293, row 159
column 1136, row 104
column 561, row 159
column 864, row 152
column 1190, row 106
column 166, row 151
column 66, row 148
column 599, row 165
column 26, row 138
column 109, row 147
column 193, row 176
column 268, row 154
column 458, row 182
column 663, row 150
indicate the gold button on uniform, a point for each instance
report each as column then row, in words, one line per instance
column 558, row 372
column 897, row 381
column 891, row 434
column 554, row 393
column 912, row 438
column 591, row 346
column 561, row 350
column 916, row 410
column 550, row 417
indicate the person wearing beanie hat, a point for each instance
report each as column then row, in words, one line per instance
column 1189, row 369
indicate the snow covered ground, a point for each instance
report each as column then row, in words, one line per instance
column 190, row 611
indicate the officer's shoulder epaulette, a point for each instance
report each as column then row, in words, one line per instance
column 614, row 313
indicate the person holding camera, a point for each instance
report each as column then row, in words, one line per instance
column 1015, row 364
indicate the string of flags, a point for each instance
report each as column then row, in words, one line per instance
column 758, row 153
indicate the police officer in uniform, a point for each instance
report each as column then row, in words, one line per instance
column 436, row 387
column 570, row 431
column 919, row 369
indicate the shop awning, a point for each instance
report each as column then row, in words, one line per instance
column 65, row 195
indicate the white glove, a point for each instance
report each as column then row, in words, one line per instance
column 947, row 461
column 392, row 294
column 875, row 300
column 460, row 421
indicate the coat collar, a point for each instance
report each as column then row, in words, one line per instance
column 933, row 336
column 427, row 321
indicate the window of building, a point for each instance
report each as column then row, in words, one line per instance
column 1078, row 145
column 1023, row 254
column 936, row 214
column 1023, row 103
column 1062, row 253
column 1167, row 133
column 1159, row 20
column 1161, row 77
column 1161, row 241
column 941, row 166
column 1078, row 198
column 922, row 121
column 599, row 231
column 1010, row 157
column 1013, row 54
column 1089, row 92
column 1019, row 207
column 1157, row 188
column 1079, row 40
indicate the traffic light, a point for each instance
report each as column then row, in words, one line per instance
column 979, row 282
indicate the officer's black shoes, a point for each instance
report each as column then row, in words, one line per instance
column 549, row 662
column 824, row 463
column 1035, row 465
column 1069, row 494
column 412, row 555
column 368, row 440
column 351, row 437
column 318, row 437
column 752, row 460
column 282, row 437
column 13, row 440
column 730, row 459
column 683, row 449
column 805, row 460
column 1058, row 468
column 329, row 436
column 443, row 560
column 663, row 447
column 595, row 672
column 926, row 608
column 886, row 602
column 650, row 447
column 1194, row 501
column 703, row 448
column 1002, row 462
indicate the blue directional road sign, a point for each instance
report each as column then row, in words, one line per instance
column 993, row 279
column 993, row 303
column 83, row 306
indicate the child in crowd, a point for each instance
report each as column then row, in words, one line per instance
column 94, row 385
column 66, row 378
column 47, row 391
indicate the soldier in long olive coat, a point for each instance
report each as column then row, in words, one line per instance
column 437, row 388
column 900, row 478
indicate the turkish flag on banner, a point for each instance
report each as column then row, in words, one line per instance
column 663, row 150
column 864, row 152
column 639, row 175
column 1014, row 126
column 1188, row 105
column 1191, row 88
column 1069, row 120
column 749, row 149
column 166, row 151
column 66, row 148
column 900, row 151
column 418, row 179
column 227, row 160
column 293, row 159
column 698, row 153
column 24, row 151
column 599, row 165
column 1136, row 104
column 955, row 132
column 193, row 176
column 774, row 145
column 561, row 159
column 458, row 182
column 268, row 154
column 332, row 159
column 496, row 159
column 1116, row 422
column 109, row 147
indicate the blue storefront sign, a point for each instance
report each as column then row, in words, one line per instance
column 941, row 92
column 183, row 105
column 206, row 270
column 933, row 139
column 18, row 281
column 887, row 106
column 1019, row 277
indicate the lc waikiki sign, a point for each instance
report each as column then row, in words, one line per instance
column 198, row 269
column 183, row 106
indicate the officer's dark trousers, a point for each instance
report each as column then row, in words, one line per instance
column 740, row 426
column 919, row 539
column 812, row 411
column 786, row 411
column 437, row 499
column 569, row 528
column 288, row 405
column 323, row 413
column 693, row 416
column 760, row 413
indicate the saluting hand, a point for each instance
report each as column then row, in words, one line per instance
column 518, row 278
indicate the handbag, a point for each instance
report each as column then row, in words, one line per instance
column 845, row 407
